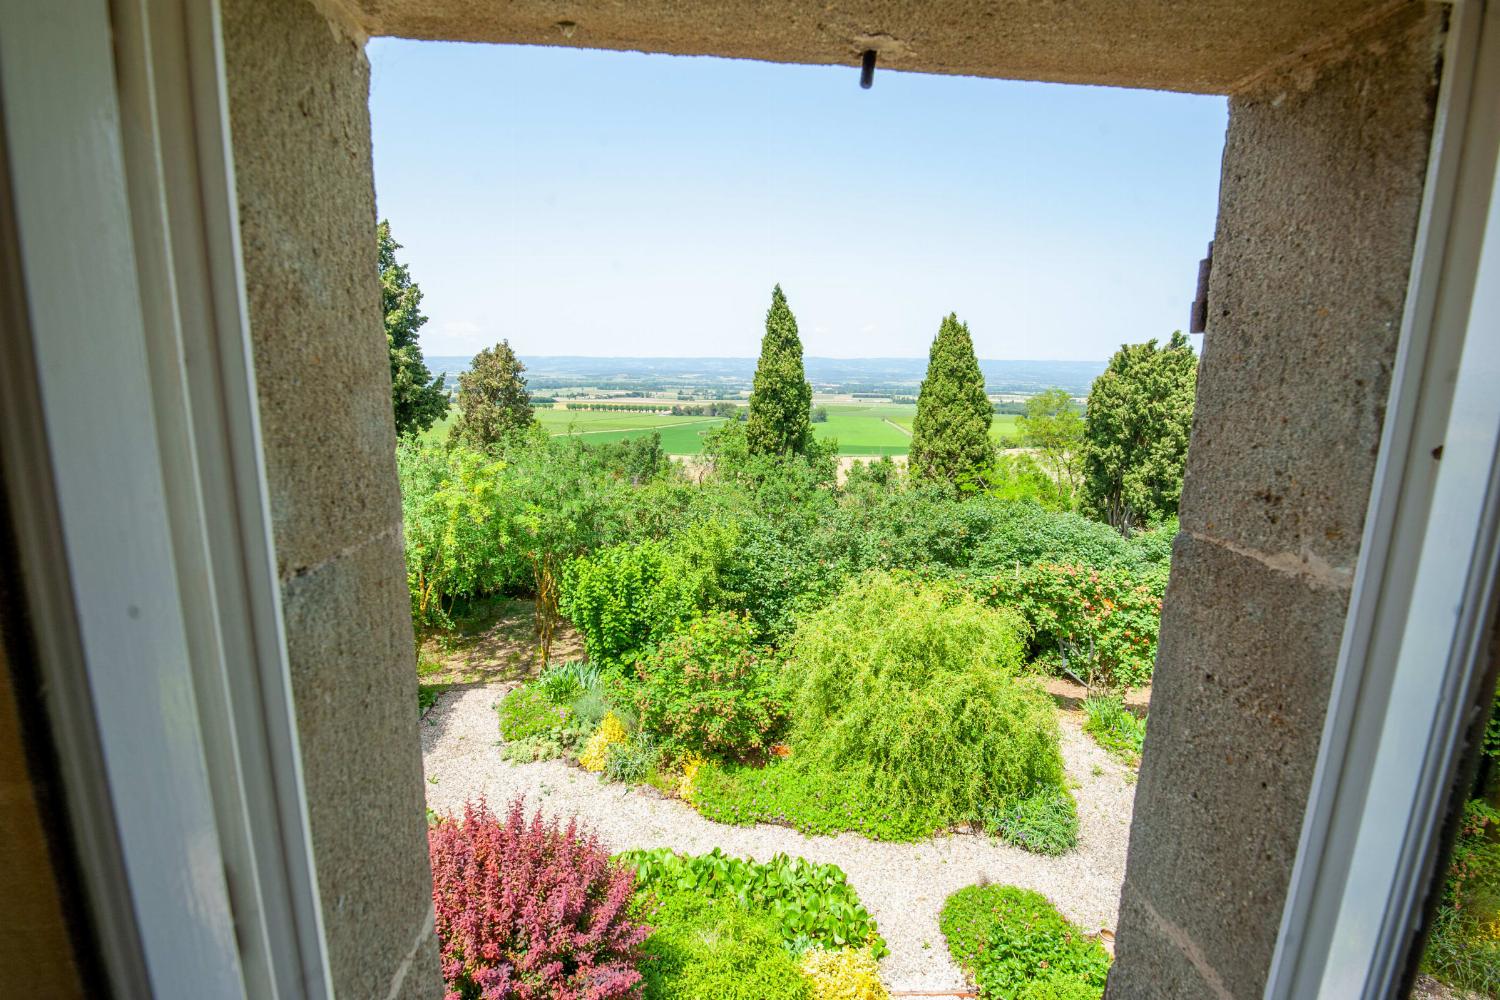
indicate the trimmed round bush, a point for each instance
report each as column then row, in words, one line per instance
column 530, row 911
column 1008, row 938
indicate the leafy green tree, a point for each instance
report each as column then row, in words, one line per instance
column 419, row 398
column 1140, row 413
column 950, row 437
column 1054, row 427
column 493, row 403
column 780, row 395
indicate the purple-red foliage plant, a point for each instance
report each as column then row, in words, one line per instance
column 526, row 910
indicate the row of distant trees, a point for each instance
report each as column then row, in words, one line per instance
column 1123, row 460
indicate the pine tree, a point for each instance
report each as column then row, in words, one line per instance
column 950, row 438
column 780, row 396
column 1140, row 413
column 493, row 403
column 419, row 399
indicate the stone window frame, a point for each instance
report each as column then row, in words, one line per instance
column 207, row 301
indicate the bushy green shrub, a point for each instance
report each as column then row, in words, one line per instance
column 708, row 946
column 707, row 690
column 1007, row 937
column 1103, row 621
column 908, row 717
column 450, row 517
column 1043, row 823
column 811, row 905
column 623, row 599
column 1114, row 727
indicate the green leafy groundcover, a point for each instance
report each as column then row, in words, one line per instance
column 1018, row 947
column 908, row 718
column 809, row 905
column 705, row 946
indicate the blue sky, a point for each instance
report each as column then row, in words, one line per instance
column 603, row 203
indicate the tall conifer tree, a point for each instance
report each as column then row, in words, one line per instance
column 950, row 439
column 780, row 397
column 418, row 397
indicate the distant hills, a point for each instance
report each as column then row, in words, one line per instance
column 893, row 375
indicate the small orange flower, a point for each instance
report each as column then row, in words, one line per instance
column 781, row 750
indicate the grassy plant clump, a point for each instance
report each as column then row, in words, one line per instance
column 1114, row 727
column 909, row 717
column 633, row 761
column 1013, row 941
column 709, row 946
column 811, row 905
column 1044, row 823
column 844, row 974
column 1463, row 948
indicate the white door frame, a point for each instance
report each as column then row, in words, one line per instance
column 167, row 687
column 1410, row 672
column 133, row 425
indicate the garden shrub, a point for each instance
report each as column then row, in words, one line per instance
column 611, row 733
column 528, row 910
column 910, row 708
column 450, row 503
column 1104, row 621
column 623, row 599
column 845, row 974
column 1043, row 823
column 708, row 690
column 811, row 905
column 1007, row 937
column 1114, row 727
column 705, row 947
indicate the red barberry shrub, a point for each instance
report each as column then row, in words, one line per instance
column 531, row 911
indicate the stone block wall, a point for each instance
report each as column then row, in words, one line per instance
column 299, row 115
column 1324, row 165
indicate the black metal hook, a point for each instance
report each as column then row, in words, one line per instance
column 867, row 69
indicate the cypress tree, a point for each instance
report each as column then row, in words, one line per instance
column 950, row 439
column 780, row 396
column 418, row 397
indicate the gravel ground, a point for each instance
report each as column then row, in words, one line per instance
column 902, row 885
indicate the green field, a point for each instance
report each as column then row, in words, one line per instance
column 864, row 430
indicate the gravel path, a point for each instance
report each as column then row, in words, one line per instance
column 902, row 885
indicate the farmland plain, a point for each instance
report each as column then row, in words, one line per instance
column 861, row 429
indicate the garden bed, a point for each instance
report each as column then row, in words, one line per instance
column 903, row 885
